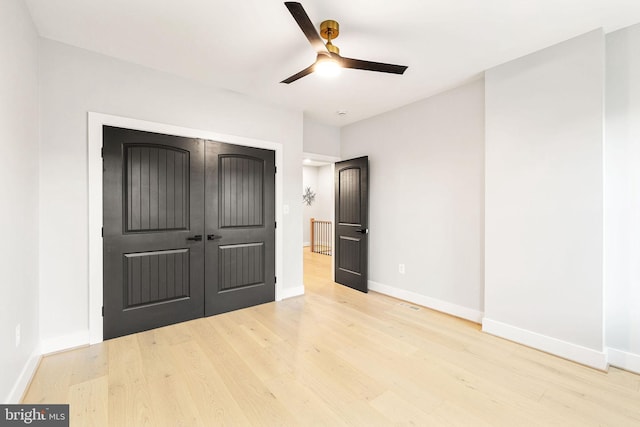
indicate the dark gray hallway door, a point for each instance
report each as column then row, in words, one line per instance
column 188, row 229
column 352, row 222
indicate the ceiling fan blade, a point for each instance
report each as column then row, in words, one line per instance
column 359, row 64
column 301, row 17
column 299, row 75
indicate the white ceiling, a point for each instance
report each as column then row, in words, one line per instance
column 249, row 46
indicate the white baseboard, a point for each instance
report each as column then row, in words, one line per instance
column 433, row 303
column 20, row 387
column 291, row 292
column 306, row 244
column 577, row 353
column 65, row 342
column 622, row 359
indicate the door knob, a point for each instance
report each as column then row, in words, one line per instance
column 213, row 237
column 362, row 231
column 196, row 238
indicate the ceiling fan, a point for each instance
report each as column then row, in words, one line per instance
column 329, row 58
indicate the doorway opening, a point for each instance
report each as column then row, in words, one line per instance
column 318, row 214
column 343, row 189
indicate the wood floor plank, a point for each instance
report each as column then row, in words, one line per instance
column 51, row 382
column 306, row 406
column 129, row 398
column 171, row 403
column 332, row 357
column 130, row 405
column 90, row 363
column 87, row 405
column 207, row 389
column 623, row 379
column 259, row 405
column 398, row 410
column 156, row 360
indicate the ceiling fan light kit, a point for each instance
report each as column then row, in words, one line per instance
column 329, row 61
column 326, row 66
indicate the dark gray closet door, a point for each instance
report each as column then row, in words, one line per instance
column 153, row 194
column 352, row 222
column 240, row 218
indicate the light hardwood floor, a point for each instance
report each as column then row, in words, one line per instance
column 333, row 357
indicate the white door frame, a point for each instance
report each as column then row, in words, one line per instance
column 94, row 146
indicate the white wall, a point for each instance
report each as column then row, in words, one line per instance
column 426, row 164
column 320, row 179
column 325, row 192
column 544, row 199
column 75, row 81
column 19, row 195
column 622, row 198
column 321, row 139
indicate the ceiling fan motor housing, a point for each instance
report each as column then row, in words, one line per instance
column 329, row 30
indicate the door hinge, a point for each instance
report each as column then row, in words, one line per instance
column 102, row 231
column 275, row 169
column 275, row 224
column 275, row 279
column 103, row 311
column 102, row 152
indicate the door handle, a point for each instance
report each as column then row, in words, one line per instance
column 213, row 237
column 362, row 231
column 196, row 238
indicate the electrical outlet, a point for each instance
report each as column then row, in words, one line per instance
column 18, row 335
column 401, row 268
